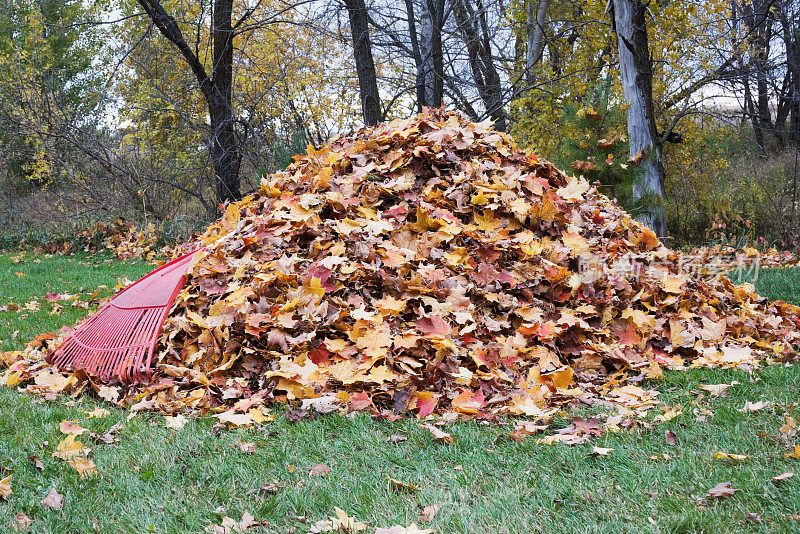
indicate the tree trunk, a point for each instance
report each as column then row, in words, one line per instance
column 750, row 110
column 534, row 30
column 419, row 79
column 365, row 66
column 629, row 24
column 217, row 89
column 224, row 145
column 431, row 22
column 473, row 26
column 759, row 26
column 791, row 39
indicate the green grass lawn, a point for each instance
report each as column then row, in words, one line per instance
column 26, row 277
column 160, row 480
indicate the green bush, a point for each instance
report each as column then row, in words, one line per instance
column 596, row 146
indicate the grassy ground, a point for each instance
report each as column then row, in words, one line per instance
column 25, row 278
column 160, row 480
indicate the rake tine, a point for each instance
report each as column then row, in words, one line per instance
column 120, row 339
column 107, row 339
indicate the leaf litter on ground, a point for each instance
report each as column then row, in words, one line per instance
column 430, row 266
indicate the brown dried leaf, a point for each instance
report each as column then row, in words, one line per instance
column 54, row 500
column 438, row 434
column 722, row 490
column 319, row 470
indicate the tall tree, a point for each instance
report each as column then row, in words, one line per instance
column 365, row 65
column 475, row 31
column 629, row 23
column 216, row 87
column 788, row 14
column 48, row 83
column 431, row 22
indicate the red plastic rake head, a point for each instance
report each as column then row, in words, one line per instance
column 120, row 338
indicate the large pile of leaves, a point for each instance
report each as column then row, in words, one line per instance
column 431, row 265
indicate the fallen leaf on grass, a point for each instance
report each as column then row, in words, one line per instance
column 403, row 485
column 670, row 413
column 782, row 477
column 322, row 405
column 235, row 419
column 670, row 437
column 600, row 451
column 438, row 434
column 54, row 500
column 790, row 428
column 429, row 512
column 231, row 526
column 246, row 447
column 722, row 490
column 109, row 393
column 259, row 416
column 98, row 412
column 523, row 429
column 396, row 438
column 5, row 487
column 399, row 529
column 660, row 456
column 272, row 487
column 109, row 437
column 70, row 448
column 717, row 390
column 175, row 422
column 68, row 427
column 702, row 414
column 22, row 523
column 84, row 466
column 319, row 470
column 755, row 406
column 36, row 461
column 728, row 456
column 341, row 522
column 795, row 454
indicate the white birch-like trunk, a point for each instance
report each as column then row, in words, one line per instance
column 534, row 29
column 636, row 78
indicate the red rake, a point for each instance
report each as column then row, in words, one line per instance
column 120, row 338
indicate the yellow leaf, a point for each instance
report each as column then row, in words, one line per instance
column 5, row 487
column 69, row 448
column 670, row 414
column 486, row 221
column 231, row 218
column 601, row 451
column 175, row 423
column 84, row 466
column 236, row 419
column 576, row 242
column 54, row 382
column 479, row 199
column 672, row 284
column 728, row 456
column 640, row 319
column 574, row 189
column 98, row 412
column 259, row 417
column 315, row 287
